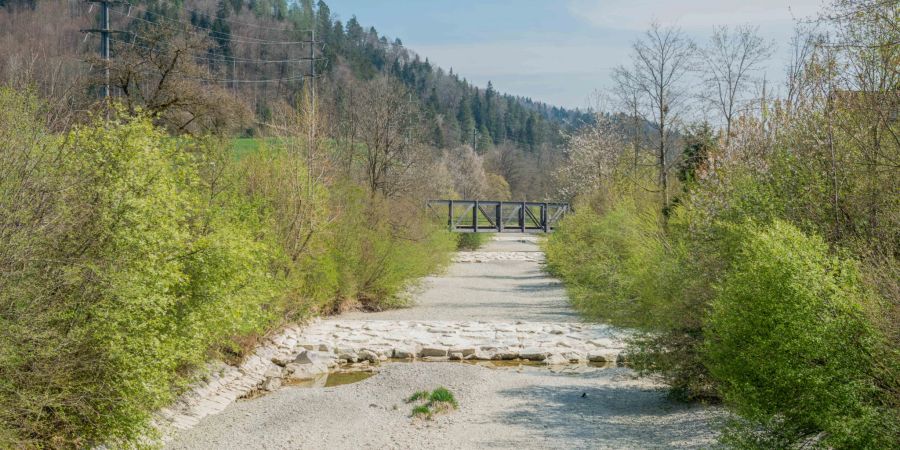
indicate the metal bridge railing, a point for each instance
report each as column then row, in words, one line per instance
column 480, row 216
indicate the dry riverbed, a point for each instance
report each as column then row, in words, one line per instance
column 501, row 404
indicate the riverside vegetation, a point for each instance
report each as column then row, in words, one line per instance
column 758, row 261
column 130, row 258
column 766, row 275
column 427, row 404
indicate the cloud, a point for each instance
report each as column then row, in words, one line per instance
column 690, row 14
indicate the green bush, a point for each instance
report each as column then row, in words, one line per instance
column 620, row 267
column 616, row 265
column 128, row 257
column 471, row 241
column 344, row 247
column 789, row 345
column 122, row 266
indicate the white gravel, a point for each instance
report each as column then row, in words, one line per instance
column 524, row 408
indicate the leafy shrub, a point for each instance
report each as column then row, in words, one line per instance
column 621, row 267
column 471, row 241
column 618, row 266
column 792, row 352
column 122, row 266
column 344, row 246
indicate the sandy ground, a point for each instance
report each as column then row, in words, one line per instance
column 510, row 408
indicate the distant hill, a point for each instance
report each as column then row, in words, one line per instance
column 258, row 51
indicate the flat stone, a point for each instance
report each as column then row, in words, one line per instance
column 403, row 353
column 505, row 355
column 433, row 351
column 466, row 351
column 533, row 354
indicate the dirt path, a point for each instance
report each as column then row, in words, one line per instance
column 527, row 407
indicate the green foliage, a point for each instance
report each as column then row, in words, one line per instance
column 620, row 267
column 442, row 395
column 614, row 264
column 471, row 241
column 699, row 144
column 128, row 256
column 124, row 266
column 418, row 395
column 421, row 411
column 343, row 246
column 790, row 347
column 431, row 403
column 760, row 314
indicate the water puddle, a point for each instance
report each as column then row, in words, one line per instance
column 330, row 379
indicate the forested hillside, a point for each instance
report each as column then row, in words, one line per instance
column 259, row 52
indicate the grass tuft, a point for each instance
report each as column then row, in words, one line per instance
column 420, row 395
column 442, row 395
column 422, row 411
column 439, row 401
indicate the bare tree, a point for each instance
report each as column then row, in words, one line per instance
column 660, row 61
column 388, row 123
column 730, row 61
column 158, row 72
column 507, row 161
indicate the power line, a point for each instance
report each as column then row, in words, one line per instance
column 196, row 30
column 222, row 80
column 228, row 36
column 209, row 58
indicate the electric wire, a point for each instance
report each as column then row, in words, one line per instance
column 229, row 37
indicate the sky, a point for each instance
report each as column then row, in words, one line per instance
column 560, row 51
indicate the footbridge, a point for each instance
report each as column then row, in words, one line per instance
column 481, row 216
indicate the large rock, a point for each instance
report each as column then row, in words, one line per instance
column 368, row 355
column 273, row 379
column 307, row 364
column 604, row 356
column 304, row 371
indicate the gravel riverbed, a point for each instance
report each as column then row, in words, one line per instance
column 566, row 407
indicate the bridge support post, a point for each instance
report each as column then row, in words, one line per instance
column 522, row 217
column 450, row 216
column 499, row 215
column 475, row 217
column 545, row 217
